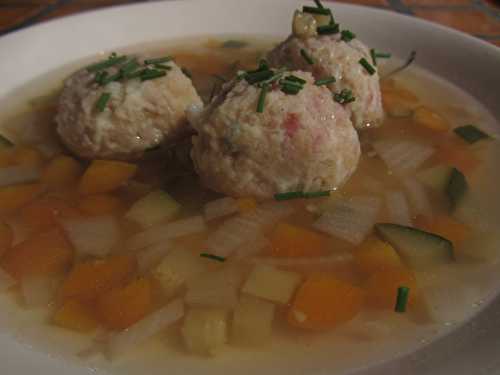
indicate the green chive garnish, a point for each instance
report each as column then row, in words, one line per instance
column 378, row 55
column 318, row 3
column 295, row 79
column 255, row 77
column 162, row 67
column 101, row 76
column 374, row 56
column 131, row 66
column 186, row 72
column 470, row 133
column 158, row 60
column 291, row 88
column 328, row 29
column 365, row 64
column 316, row 10
column 288, row 196
column 234, row 44
column 306, row 57
column 111, row 78
column 402, row 299
column 102, row 101
column 111, row 61
column 316, row 194
column 325, row 81
column 347, row 35
column 136, row 74
column 152, row 74
column 213, row 257
column 262, row 98
column 344, row 97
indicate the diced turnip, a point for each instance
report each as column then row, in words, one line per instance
column 220, row 208
column 418, row 197
column 252, row 321
column 205, row 330
column 153, row 208
column 271, row 283
column 436, row 178
column 94, row 236
column 397, row 208
column 152, row 256
column 403, row 156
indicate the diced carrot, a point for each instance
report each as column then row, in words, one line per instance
column 42, row 254
column 6, row 157
column 76, row 316
column 45, row 213
column 90, row 279
column 457, row 154
column 100, row 204
column 323, row 302
column 12, row 198
column 430, row 119
column 446, row 227
column 6, row 237
column 103, row 176
column 288, row 240
column 246, row 205
column 375, row 255
column 62, row 171
column 382, row 287
column 27, row 156
column 120, row 308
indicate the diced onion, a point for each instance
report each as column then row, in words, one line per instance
column 418, row 197
column 152, row 256
column 146, row 328
column 403, row 156
column 6, row 281
column 162, row 232
column 252, row 247
column 18, row 175
column 350, row 219
column 397, row 208
column 220, row 207
column 330, row 260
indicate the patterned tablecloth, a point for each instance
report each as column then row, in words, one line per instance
column 480, row 18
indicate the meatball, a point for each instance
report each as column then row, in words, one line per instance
column 332, row 56
column 139, row 114
column 303, row 142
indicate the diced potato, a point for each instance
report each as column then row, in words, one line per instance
column 27, row 156
column 430, row 119
column 61, row 172
column 304, row 25
column 155, row 207
column 178, row 267
column 289, row 240
column 103, row 176
column 399, row 102
column 100, row 204
column 90, row 279
column 271, row 283
column 6, row 237
column 12, row 198
column 43, row 254
column 76, row 316
column 46, row 213
column 252, row 321
column 246, row 205
column 205, row 330
column 122, row 307
column 375, row 255
column 323, row 302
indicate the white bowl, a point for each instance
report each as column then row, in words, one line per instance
column 469, row 63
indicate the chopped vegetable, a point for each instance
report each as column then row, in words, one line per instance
column 6, row 237
column 62, row 171
column 246, row 205
column 6, row 281
column 205, row 330
column 213, row 257
column 103, row 101
column 347, row 35
column 470, row 133
column 378, row 55
column 94, row 236
column 39, row 291
column 457, row 187
column 304, row 25
column 271, row 284
column 120, row 308
column 220, row 208
column 382, row 287
column 150, row 74
column 43, row 254
column 252, row 321
column 397, row 208
column 328, row 29
column 158, row 60
column 76, row 316
column 420, row 250
column 103, row 176
column 111, row 61
column 418, row 197
column 447, row 227
column 152, row 256
column 323, row 302
column 306, row 57
column 154, row 208
column 403, row 156
column 368, row 67
column 288, row 195
column 18, row 175
column 430, row 119
column 436, row 178
column 262, row 98
column 374, row 255
column 316, row 10
column 402, row 299
column 289, row 240
column 344, row 97
column 46, row 213
column 100, row 204
column 13, row 198
column 325, row 81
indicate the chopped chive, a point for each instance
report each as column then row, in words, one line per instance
column 234, row 44
column 255, row 77
column 213, row 257
column 102, row 101
column 470, row 134
column 101, row 76
column 328, row 29
column 220, row 78
column 344, row 97
column 402, row 299
column 318, row 3
column 347, row 35
column 316, row 10
column 262, row 98
column 4, row 142
column 158, row 60
column 290, row 89
column 111, row 78
column 131, row 66
column 316, row 194
column 111, row 61
column 162, row 67
column 373, row 54
column 288, row 196
column 152, row 74
column 306, row 57
column 276, row 77
column 378, row 55
column 136, row 74
column 187, row 72
column 286, row 82
column 295, row 79
column 365, row 64
column 263, row 64
column 411, row 58
column 325, row 81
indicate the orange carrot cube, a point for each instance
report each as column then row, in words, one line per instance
column 45, row 213
column 288, row 240
column 12, row 198
column 323, row 302
column 76, row 316
column 382, row 287
column 27, row 156
column 62, row 171
column 103, row 176
column 375, row 255
column 457, row 154
column 246, row 205
column 122, row 307
column 100, row 204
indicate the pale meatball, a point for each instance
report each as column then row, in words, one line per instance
column 333, row 57
column 303, row 142
column 138, row 116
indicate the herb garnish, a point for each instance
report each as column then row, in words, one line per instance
column 368, row 67
column 306, row 56
column 102, row 101
column 325, row 81
column 347, row 35
column 402, row 299
column 344, row 97
column 213, row 257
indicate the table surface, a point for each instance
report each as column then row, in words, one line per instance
column 480, row 18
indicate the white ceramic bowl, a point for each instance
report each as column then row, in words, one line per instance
column 463, row 60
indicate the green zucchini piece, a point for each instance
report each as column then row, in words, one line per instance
column 418, row 249
column 436, row 178
column 457, row 187
column 470, row 134
column 5, row 143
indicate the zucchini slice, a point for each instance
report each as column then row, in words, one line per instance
column 470, row 134
column 436, row 178
column 457, row 187
column 418, row 249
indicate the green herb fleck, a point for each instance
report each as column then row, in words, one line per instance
column 259, row 76
column 152, row 74
column 378, row 55
column 131, row 66
column 333, row 28
column 347, row 35
column 232, row 43
column 112, row 60
column 158, row 60
column 316, row 10
column 213, row 257
column 262, row 98
column 287, row 196
column 102, row 101
column 344, row 97
column 402, row 299
column 470, row 133
column 306, row 57
column 325, row 81
column 318, row 4
column 316, row 194
column 368, row 67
